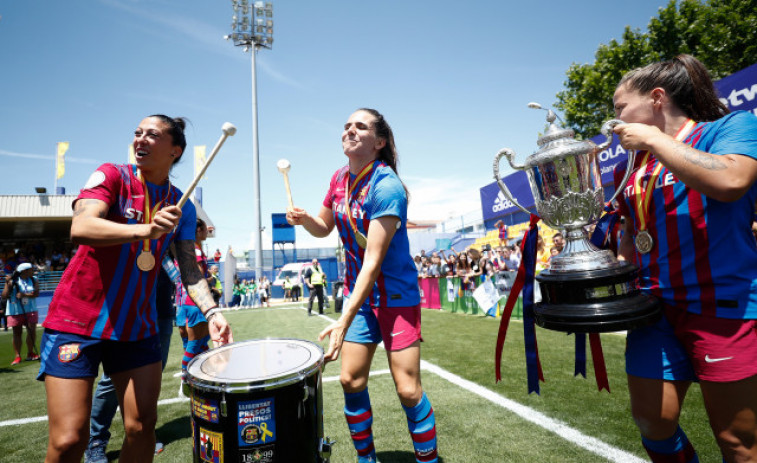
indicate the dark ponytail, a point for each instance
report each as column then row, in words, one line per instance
column 687, row 83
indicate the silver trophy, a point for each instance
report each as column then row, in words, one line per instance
column 586, row 289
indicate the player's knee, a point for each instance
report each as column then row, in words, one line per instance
column 143, row 426
column 737, row 440
column 352, row 383
column 654, row 425
column 68, row 442
column 409, row 393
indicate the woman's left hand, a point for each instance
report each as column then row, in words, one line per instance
column 336, row 332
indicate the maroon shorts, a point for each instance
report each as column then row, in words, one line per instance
column 721, row 350
column 23, row 320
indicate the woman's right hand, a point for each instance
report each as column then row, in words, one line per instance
column 164, row 221
column 296, row 216
column 336, row 333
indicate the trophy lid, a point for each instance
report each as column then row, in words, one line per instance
column 558, row 143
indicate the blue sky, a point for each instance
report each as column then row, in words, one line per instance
column 452, row 78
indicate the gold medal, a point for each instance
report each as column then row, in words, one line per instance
column 145, row 261
column 644, row 242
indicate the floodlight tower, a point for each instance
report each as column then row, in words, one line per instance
column 252, row 28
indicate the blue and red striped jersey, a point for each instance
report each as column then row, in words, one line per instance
column 377, row 194
column 103, row 294
column 704, row 259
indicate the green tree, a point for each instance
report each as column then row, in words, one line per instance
column 720, row 33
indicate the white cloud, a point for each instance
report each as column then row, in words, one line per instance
column 439, row 198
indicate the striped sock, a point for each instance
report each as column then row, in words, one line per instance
column 422, row 426
column 184, row 341
column 674, row 449
column 357, row 410
column 194, row 348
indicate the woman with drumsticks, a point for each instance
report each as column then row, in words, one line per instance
column 367, row 202
column 688, row 206
column 103, row 310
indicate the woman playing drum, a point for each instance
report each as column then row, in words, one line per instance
column 367, row 203
column 103, row 310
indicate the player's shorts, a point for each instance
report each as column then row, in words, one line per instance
column 654, row 352
column 687, row 346
column 67, row 355
column 721, row 350
column 24, row 319
column 398, row 327
column 193, row 315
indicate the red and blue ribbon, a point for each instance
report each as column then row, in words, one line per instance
column 523, row 281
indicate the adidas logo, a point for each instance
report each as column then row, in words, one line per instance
column 501, row 203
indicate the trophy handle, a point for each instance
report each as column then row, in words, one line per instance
column 506, row 191
column 607, row 131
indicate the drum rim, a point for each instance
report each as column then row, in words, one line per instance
column 237, row 387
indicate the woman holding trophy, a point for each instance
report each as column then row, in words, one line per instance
column 688, row 205
column 367, row 202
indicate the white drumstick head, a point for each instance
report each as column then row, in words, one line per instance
column 283, row 165
column 228, row 128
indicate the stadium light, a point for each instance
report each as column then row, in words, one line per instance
column 252, row 28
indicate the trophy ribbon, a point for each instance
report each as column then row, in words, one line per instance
column 644, row 241
column 360, row 238
column 145, row 259
column 525, row 281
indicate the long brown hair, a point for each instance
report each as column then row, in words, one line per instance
column 388, row 153
column 685, row 80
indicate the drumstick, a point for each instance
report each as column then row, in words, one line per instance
column 284, row 167
column 228, row 130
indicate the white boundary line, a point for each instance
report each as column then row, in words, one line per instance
column 589, row 443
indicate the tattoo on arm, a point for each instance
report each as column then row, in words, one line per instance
column 699, row 158
column 191, row 276
column 86, row 204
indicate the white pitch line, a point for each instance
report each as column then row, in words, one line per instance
column 589, row 443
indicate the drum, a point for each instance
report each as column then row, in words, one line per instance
column 258, row 401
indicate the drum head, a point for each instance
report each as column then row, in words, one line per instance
column 255, row 364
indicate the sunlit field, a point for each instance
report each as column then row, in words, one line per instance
column 477, row 420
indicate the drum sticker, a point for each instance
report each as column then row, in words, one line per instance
column 205, row 409
column 257, row 423
column 211, row 446
column 263, row 454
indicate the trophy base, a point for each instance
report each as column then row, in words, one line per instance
column 594, row 301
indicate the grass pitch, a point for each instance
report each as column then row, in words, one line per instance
column 477, row 420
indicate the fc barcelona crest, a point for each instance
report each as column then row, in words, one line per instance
column 68, row 352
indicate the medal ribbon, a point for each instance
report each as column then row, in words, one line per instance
column 148, row 213
column 643, row 197
column 348, row 194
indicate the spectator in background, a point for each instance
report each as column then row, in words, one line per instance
column 558, row 241
column 542, row 254
column 263, row 289
column 22, row 289
column 501, row 232
column 237, row 291
column 435, row 266
column 217, row 256
column 418, row 263
column 315, row 278
column 448, row 267
column 216, row 287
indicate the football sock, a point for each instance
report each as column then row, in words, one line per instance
column 674, row 449
column 357, row 410
column 422, row 426
column 194, row 348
